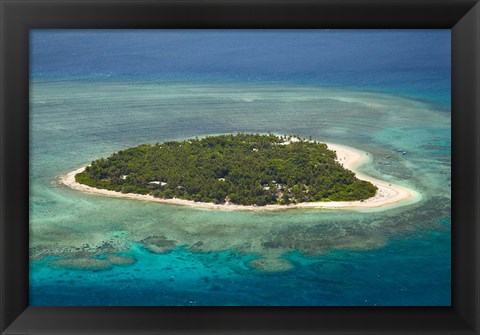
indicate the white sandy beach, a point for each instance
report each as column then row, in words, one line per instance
column 388, row 195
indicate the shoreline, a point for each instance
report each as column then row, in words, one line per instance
column 388, row 195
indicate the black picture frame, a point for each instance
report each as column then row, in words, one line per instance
column 17, row 17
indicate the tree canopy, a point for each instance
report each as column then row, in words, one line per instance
column 244, row 169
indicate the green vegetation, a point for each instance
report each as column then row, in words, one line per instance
column 243, row 169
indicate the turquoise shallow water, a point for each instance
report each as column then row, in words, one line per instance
column 313, row 257
column 341, row 278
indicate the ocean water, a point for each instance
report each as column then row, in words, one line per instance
column 96, row 92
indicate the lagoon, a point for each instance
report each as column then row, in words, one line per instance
column 102, row 118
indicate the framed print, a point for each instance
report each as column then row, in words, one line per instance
column 245, row 170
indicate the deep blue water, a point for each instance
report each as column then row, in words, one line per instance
column 95, row 92
column 415, row 63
